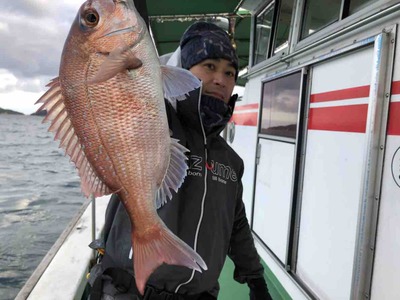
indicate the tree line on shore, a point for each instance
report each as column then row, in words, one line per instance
column 13, row 112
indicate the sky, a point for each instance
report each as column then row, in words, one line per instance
column 32, row 35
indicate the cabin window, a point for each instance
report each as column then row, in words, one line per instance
column 280, row 106
column 262, row 34
column 272, row 28
column 356, row 5
column 319, row 14
column 283, row 27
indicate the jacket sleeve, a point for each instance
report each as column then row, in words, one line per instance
column 242, row 250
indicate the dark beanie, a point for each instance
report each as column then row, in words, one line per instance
column 204, row 40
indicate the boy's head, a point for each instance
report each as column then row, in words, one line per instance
column 204, row 40
column 207, row 52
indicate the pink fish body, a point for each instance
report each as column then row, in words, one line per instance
column 107, row 109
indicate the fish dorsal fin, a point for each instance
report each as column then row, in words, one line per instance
column 177, row 83
column 53, row 103
column 175, row 174
column 117, row 61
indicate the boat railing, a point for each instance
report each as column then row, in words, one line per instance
column 62, row 272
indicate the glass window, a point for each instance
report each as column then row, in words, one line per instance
column 262, row 34
column 356, row 5
column 281, row 106
column 283, row 29
column 318, row 14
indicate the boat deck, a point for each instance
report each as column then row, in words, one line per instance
column 61, row 274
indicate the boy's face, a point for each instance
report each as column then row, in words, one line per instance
column 218, row 76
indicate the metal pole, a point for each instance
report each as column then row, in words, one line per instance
column 93, row 200
column 370, row 188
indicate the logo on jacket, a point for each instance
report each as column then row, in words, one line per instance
column 195, row 166
column 222, row 173
column 219, row 171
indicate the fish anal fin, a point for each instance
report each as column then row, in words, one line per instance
column 117, row 61
column 157, row 246
column 61, row 125
column 175, row 174
column 90, row 182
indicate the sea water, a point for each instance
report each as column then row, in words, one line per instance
column 39, row 195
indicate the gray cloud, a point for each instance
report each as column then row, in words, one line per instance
column 34, row 85
column 28, row 8
column 38, row 9
column 32, row 34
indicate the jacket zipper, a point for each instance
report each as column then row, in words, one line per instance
column 204, row 193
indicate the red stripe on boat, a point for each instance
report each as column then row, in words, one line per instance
column 350, row 93
column 394, row 119
column 395, row 87
column 350, row 118
column 246, row 106
column 245, row 119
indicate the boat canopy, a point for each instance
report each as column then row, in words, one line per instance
column 169, row 19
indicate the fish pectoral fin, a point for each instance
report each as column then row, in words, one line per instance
column 117, row 61
column 178, row 82
column 175, row 174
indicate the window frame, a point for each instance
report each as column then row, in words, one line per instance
column 304, row 11
column 277, row 15
column 271, row 57
column 260, row 12
column 298, row 142
column 327, row 33
column 274, row 136
column 345, row 20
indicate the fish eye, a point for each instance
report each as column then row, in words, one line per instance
column 91, row 18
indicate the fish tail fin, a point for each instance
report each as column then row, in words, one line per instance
column 161, row 246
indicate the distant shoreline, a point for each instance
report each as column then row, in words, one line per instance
column 9, row 112
column 13, row 112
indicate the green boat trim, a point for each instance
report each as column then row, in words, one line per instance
column 232, row 290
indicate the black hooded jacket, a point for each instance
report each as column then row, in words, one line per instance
column 207, row 212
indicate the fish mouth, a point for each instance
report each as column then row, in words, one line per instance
column 120, row 31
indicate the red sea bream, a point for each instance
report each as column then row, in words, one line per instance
column 107, row 109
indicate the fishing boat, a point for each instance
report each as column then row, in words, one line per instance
column 318, row 127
